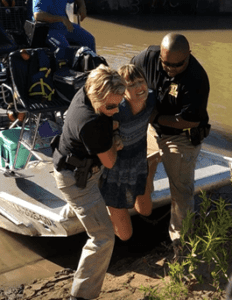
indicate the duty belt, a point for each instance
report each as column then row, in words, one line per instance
column 168, row 131
column 94, row 169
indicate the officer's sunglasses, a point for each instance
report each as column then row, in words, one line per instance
column 177, row 65
column 111, row 106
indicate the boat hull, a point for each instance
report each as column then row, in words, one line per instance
column 31, row 204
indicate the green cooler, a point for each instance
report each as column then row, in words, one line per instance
column 8, row 145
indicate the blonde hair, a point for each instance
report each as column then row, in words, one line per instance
column 101, row 82
column 130, row 72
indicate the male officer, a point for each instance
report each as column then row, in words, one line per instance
column 180, row 121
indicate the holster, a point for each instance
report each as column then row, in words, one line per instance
column 55, row 142
column 197, row 134
column 80, row 167
column 207, row 130
column 81, row 173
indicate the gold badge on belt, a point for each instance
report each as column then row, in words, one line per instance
column 173, row 90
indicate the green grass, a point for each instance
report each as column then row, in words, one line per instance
column 206, row 242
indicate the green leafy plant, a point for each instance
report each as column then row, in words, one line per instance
column 206, row 240
column 170, row 291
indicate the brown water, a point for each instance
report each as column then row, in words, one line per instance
column 119, row 38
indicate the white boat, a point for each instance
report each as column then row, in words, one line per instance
column 212, row 172
column 31, row 204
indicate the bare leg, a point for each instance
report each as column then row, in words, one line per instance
column 121, row 220
column 143, row 204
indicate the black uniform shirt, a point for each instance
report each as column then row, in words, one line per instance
column 184, row 95
column 85, row 133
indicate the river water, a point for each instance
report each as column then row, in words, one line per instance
column 119, row 38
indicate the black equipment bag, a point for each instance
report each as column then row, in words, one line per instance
column 86, row 60
column 71, row 75
column 67, row 82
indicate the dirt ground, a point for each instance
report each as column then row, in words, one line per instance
column 123, row 281
column 134, row 264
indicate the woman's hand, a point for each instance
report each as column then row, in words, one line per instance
column 116, row 136
column 118, row 142
column 115, row 125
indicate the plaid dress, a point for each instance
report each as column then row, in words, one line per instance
column 121, row 185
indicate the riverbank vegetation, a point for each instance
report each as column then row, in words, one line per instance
column 204, row 252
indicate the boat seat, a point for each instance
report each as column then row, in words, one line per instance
column 36, row 33
column 36, row 110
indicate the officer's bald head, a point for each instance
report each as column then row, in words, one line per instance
column 174, row 54
column 174, row 42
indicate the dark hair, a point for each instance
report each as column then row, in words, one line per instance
column 130, row 72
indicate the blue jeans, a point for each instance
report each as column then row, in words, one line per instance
column 79, row 37
column 90, row 209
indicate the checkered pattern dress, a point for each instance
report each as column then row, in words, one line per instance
column 121, row 185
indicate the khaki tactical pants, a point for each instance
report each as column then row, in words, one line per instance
column 90, row 209
column 179, row 158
